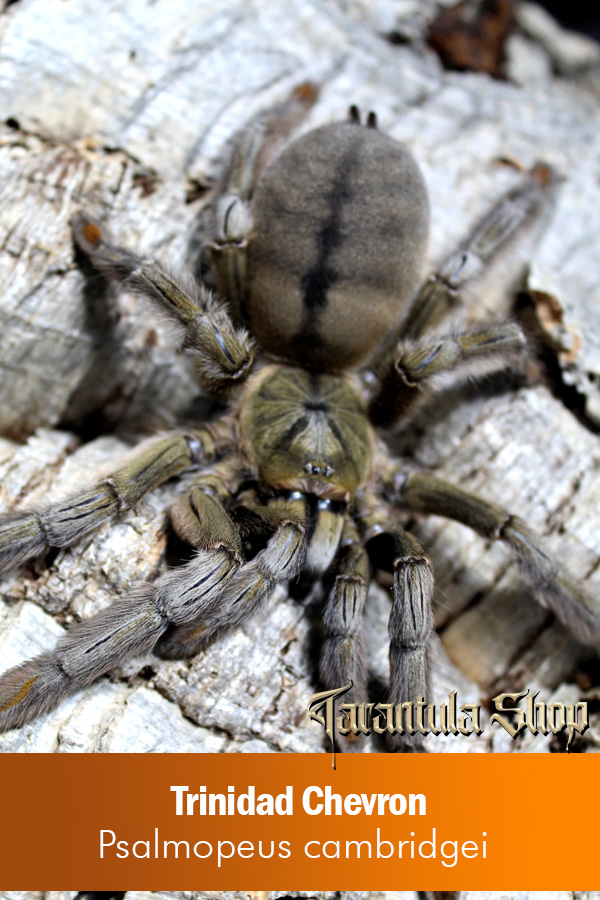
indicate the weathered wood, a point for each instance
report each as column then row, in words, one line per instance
column 129, row 115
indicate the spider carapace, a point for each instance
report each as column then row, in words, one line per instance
column 318, row 247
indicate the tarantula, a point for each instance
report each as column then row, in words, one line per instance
column 319, row 248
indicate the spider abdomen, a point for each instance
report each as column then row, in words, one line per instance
column 306, row 431
column 340, row 225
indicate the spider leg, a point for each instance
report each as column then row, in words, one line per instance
column 251, row 586
column 410, row 625
column 343, row 653
column 518, row 211
column 253, row 149
column 412, row 367
column 411, row 617
column 132, row 626
column 280, row 561
column 556, row 586
column 30, row 533
column 404, row 364
column 224, row 353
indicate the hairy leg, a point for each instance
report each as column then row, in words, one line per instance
column 212, row 593
column 411, row 618
column 131, row 626
column 555, row 585
column 494, row 234
column 343, row 653
column 407, row 362
column 411, row 368
column 224, row 353
column 30, row 533
column 280, row 561
column 253, row 149
column 410, row 627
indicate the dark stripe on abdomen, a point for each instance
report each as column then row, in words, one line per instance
column 317, row 282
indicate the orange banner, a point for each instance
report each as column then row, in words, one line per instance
column 523, row 822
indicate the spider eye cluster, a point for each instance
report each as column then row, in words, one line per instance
column 340, row 227
column 314, row 469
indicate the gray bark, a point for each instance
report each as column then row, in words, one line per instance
column 126, row 111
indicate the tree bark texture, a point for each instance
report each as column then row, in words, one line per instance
column 126, row 110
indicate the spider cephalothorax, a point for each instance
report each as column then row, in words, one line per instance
column 318, row 248
column 306, row 431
